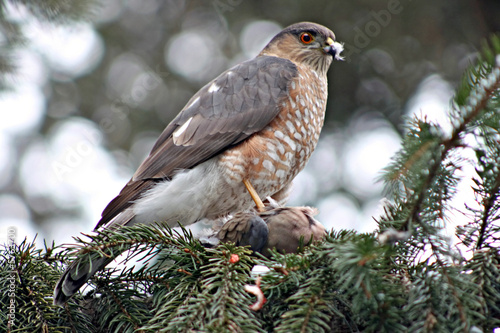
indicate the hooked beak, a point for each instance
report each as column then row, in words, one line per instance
column 333, row 48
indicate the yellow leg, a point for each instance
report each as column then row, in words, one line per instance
column 254, row 195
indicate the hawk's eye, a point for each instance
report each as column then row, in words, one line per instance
column 306, row 38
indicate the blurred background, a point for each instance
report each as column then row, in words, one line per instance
column 87, row 87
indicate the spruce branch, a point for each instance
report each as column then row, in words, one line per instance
column 489, row 203
column 427, row 157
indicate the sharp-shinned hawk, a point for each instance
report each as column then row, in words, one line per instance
column 256, row 125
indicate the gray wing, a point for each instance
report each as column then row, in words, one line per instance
column 229, row 109
column 245, row 228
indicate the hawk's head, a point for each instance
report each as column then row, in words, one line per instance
column 306, row 43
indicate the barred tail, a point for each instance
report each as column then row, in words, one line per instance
column 75, row 276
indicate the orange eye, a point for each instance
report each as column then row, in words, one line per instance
column 306, row 38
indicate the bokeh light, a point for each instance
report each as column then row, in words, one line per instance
column 195, row 56
column 7, row 158
column 432, row 100
column 69, row 51
column 22, row 110
column 256, row 35
column 366, row 154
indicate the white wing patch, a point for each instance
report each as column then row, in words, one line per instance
column 192, row 103
column 178, row 132
column 213, row 88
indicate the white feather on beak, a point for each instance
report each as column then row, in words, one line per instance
column 334, row 48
